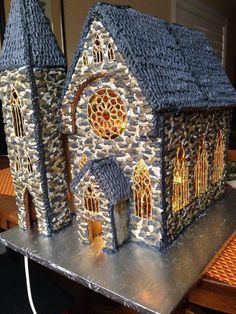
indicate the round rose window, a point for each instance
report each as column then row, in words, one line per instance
column 107, row 113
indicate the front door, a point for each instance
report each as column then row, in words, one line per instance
column 95, row 232
column 31, row 218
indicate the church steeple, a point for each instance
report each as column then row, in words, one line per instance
column 29, row 40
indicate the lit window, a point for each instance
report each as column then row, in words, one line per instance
column 180, row 191
column 142, row 191
column 85, row 58
column 97, row 50
column 111, row 53
column 90, row 200
column 201, row 169
column 107, row 113
column 83, row 160
column 16, row 107
column 29, row 165
column 218, row 163
column 17, row 163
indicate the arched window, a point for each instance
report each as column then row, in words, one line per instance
column 180, row 191
column 85, row 58
column 201, row 169
column 90, row 200
column 111, row 53
column 17, row 118
column 17, row 163
column 29, row 165
column 218, row 163
column 142, row 191
column 83, row 160
column 97, row 50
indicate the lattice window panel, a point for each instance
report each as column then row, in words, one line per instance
column 17, row 163
column 142, row 190
column 107, row 113
column 17, row 117
column 97, row 50
column 201, row 169
column 180, row 190
column 218, row 163
column 90, row 200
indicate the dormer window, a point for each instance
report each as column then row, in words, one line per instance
column 17, row 117
column 85, row 59
column 97, row 50
column 111, row 53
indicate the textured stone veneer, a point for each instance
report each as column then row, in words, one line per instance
column 132, row 145
column 188, row 128
column 52, row 216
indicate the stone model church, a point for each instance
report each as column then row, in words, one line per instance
column 146, row 110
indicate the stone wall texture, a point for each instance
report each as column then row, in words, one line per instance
column 187, row 128
column 52, row 216
column 132, row 145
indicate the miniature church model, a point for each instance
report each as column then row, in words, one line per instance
column 146, row 108
column 32, row 73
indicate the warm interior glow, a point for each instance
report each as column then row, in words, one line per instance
column 85, row 58
column 142, row 191
column 218, row 163
column 90, row 200
column 107, row 113
column 16, row 107
column 180, row 191
column 201, row 169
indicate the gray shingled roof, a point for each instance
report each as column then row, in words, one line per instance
column 109, row 176
column 175, row 66
column 29, row 40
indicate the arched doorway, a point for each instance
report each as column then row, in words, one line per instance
column 31, row 217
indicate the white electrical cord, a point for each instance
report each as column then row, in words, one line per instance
column 27, row 277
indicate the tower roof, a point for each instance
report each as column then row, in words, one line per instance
column 29, row 40
column 176, row 68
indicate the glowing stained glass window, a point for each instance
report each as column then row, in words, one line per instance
column 90, row 200
column 142, row 191
column 201, row 169
column 16, row 107
column 218, row 163
column 97, row 50
column 107, row 113
column 180, row 191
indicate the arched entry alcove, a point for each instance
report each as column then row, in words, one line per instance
column 31, row 217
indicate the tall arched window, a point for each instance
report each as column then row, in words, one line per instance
column 201, row 169
column 180, row 191
column 111, row 53
column 17, row 118
column 218, row 163
column 90, row 200
column 97, row 50
column 142, row 191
